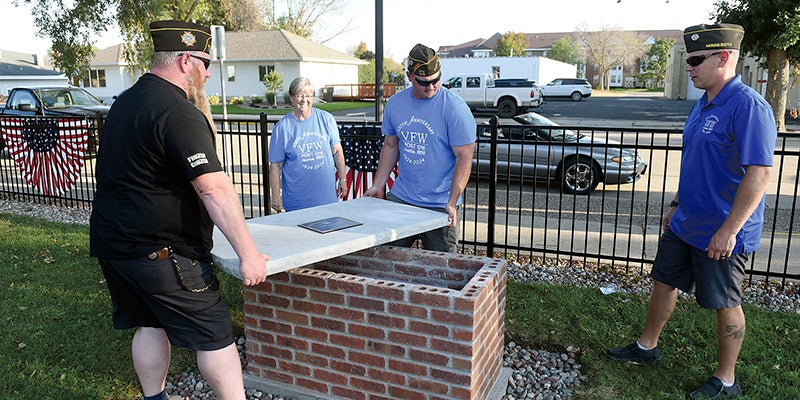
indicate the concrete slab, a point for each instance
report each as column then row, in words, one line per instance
column 290, row 246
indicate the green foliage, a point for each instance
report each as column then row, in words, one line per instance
column 392, row 72
column 236, row 100
column 256, row 99
column 769, row 25
column 273, row 80
column 654, row 62
column 564, row 50
column 511, row 44
column 214, row 99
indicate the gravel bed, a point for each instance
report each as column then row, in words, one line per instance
column 536, row 374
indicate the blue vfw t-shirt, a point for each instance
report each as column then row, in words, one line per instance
column 304, row 148
column 427, row 130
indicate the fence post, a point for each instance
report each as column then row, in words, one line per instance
column 492, row 186
column 264, row 134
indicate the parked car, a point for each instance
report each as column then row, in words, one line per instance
column 57, row 102
column 537, row 149
column 574, row 88
column 508, row 98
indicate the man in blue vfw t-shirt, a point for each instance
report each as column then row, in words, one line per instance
column 430, row 137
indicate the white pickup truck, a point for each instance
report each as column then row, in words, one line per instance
column 508, row 97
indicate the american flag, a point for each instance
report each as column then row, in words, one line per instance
column 361, row 155
column 49, row 152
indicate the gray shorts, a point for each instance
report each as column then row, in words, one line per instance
column 717, row 283
column 443, row 239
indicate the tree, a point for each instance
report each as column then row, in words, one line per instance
column 274, row 82
column 654, row 63
column 772, row 32
column 241, row 15
column 564, row 50
column 392, row 70
column 610, row 48
column 511, row 44
column 303, row 16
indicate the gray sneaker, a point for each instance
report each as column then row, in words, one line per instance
column 633, row 353
column 714, row 389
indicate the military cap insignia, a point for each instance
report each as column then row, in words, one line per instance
column 188, row 39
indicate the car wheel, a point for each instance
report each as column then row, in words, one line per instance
column 576, row 96
column 580, row 176
column 507, row 108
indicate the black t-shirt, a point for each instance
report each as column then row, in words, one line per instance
column 154, row 143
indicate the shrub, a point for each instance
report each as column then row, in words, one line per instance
column 256, row 99
column 236, row 100
column 214, row 99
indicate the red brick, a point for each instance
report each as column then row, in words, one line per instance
column 408, row 338
column 275, row 326
column 414, row 368
column 326, row 297
column 448, row 376
column 348, row 393
column 366, row 331
column 292, row 317
column 383, row 375
column 275, row 301
column 393, row 254
column 460, row 393
column 279, row 277
column 261, row 311
column 249, row 296
column 292, row 342
column 387, row 290
column 467, row 302
column 450, row 317
column 429, row 329
column 278, row 377
column 349, row 314
column 431, row 295
column 313, row 384
column 367, row 359
column 406, row 394
column 311, row 333
column 428, row 357
column 386, row 348
column 368, row 384
column 348, row 341
column 429, row 259
column 311, row 359
column 328, row 324
column 467, row 264
column 295, row 368
column 463, row 334
column 330, row 377
column 462, row 363
column 427, row 385
column 366, row 303
column 366, row 253
column 349, row 368
column 328, row 351
column 261, row 361
column 260, row 336
column 372, row 396
column 373, row 265
column 348, row 284
column 276, row 351
column 408, row 310
column 310, row 278
column 308, row 307
column 385, row 320
column 291, row 291
column 453, row 348
column 410, row 270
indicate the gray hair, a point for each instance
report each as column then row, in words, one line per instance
column 299, row 83
column 164, row 58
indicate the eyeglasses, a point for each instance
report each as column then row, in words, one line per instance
column 697, row 60
column 303, row 96
column 206, row 61
column 427, row 83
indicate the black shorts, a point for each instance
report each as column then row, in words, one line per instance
column 150, row 294
column 717, row 283
column 444, row 239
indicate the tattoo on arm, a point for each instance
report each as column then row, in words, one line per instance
column 734, row 331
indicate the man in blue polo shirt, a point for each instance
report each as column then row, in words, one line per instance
column 714, row 224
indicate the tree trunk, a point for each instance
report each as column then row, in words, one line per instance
column 778, row 85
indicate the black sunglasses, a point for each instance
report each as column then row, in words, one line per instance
column 427, row 83
column 697, row 60
column 206, row 61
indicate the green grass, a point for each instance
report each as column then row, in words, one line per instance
column 234, row 109
column 57, row 341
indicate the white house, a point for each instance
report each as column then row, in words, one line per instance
column 21, row 69
column 249, row 57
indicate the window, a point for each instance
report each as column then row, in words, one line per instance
column 231, row 73
column 95, row 78
column 264, row 70
column 455, row 83
column 473, row 82
column 495, row 71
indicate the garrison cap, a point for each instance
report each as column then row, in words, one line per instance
column 711, row 37
column 174, row 35
column 423, row 61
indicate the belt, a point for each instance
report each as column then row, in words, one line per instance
column 158, row 255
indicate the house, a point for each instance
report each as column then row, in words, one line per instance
column 249, row 57
column 22, row 69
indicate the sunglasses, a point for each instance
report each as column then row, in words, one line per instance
column 697, row 60
column 206, row 61
column 427, row 83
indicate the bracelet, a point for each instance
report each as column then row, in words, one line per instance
column 673, row 203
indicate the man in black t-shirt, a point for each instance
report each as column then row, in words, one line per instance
column 160, row 191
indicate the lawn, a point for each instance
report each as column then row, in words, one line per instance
column 236, row 109
column 57, row 341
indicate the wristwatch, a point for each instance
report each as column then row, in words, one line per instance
column 673, row 203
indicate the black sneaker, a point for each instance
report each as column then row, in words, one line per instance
column 714, row 389
column 633, row 353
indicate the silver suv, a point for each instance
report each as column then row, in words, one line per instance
column 574, row 88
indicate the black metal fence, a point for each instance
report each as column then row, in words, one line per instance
column 506, row 210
